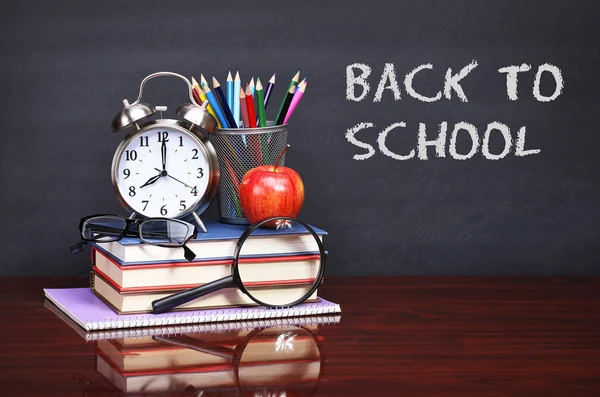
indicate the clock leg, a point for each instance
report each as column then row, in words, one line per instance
column 132, row 216
column 199, row 222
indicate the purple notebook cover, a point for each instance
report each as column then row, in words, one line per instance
column 87, row 310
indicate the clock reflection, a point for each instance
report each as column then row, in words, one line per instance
column 276, row 361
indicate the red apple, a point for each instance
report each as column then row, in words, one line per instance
column 271, row 190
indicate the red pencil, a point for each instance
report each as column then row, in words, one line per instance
column 253, row 141
column 244, row 108
column 250, row 105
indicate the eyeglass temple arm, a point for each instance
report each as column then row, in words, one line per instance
column 198, row 345
column 169, row 302
column 80, row 246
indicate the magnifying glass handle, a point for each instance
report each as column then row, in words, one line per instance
column 169, row 302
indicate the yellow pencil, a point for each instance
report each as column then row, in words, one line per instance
column 203, row 98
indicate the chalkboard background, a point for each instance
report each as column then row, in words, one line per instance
column 66, row 66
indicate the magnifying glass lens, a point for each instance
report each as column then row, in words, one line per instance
column 281, row 267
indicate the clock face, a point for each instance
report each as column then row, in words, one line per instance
column 162, row 171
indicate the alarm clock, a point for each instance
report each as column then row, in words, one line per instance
column 165, row 167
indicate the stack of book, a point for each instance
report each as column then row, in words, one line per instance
column 128, row 275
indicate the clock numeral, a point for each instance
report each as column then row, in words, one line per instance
column 163, row 136
column 145, row 202
column 130, row 155
column 180, row 141
column 143, row 141
column 194, row 191
column 195, row 156
column 201, row 172
column 163, row 210
column 127, row 173
column 131, row 191
column 182, row 206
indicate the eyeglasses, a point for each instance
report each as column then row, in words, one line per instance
column 162, row 232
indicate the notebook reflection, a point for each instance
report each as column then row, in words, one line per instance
column 275, row 361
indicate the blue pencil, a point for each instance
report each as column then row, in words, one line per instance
column 216, row 106
column 220, row 96
column 236, row 101
column 229, row 91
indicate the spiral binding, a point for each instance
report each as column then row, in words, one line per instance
column 211, row 327
column 216, row 317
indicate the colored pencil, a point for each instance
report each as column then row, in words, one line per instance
column 269, row 90
column 285, row 105
column 196, row 96
column 260, row 104
column 244, row 108
column 236, row 185
column 293, row 82
column 236, row 101
column 216, row 106
column 252, row 88
column 250, row 105
column 229, row 92
column 226, row 110
column 203, row 98
column 297, row 97
column 203, row 82
column 253, row 141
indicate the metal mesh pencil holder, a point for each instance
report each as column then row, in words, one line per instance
column 239, row 150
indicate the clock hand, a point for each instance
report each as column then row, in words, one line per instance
column 163, row 152
column 172, row 177
column 151, row 180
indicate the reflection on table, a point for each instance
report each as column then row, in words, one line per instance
column 277, row 360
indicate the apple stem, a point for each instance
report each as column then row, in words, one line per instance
column 280, row 156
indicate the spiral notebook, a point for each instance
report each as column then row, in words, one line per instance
column 186, row 329
column 91, row 314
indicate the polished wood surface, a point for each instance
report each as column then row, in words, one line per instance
column 408, row 336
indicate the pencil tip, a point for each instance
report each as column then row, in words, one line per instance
column 215, row 82
column 272, row 80
column 242, row 94
column 229, row 76
column 237, row 75
column 258, row 84
column 252, row 81
column 194, row 82
column 248, row 92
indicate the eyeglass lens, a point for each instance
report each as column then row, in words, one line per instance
column 165, row 232
column 103, row 228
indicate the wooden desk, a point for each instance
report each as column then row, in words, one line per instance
column 410, row 336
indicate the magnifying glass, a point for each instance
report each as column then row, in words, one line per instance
column 291, row 282
column 273, row 359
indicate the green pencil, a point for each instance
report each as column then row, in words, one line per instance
column 260, row 102
column 294, row 82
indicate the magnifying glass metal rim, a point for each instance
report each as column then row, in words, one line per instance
column 170, row 302
column 236, row 253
